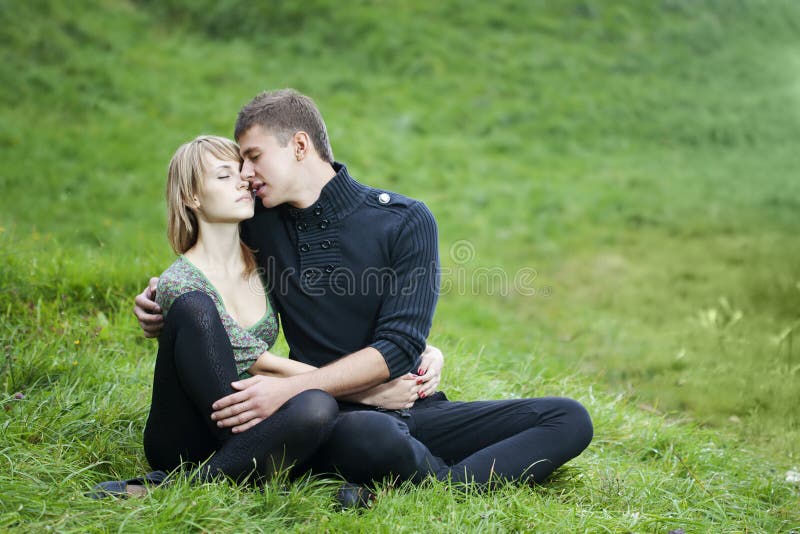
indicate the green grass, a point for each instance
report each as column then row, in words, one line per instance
column 639, row 156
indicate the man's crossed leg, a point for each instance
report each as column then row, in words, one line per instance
column 516, row 440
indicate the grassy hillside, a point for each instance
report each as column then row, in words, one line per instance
column 635, row 159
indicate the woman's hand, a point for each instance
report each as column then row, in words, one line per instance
column 430, row 371
column 397, row 394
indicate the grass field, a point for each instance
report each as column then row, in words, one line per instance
column 636, row 159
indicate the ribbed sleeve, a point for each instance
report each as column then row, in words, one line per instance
column 406, row 313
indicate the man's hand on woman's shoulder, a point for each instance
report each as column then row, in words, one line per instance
column 147, row 311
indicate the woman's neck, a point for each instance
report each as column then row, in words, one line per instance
column 218, row 249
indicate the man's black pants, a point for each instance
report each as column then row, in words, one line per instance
column 483, row 441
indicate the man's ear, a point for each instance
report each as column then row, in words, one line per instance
column 302, row 144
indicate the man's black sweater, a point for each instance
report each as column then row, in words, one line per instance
column 359, row 268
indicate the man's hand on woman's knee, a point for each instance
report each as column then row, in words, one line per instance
column 147, row 312
column 256, row 399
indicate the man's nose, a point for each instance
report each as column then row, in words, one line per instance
column 247, row 170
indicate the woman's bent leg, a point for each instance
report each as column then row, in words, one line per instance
column 195, row 367
column 288, row 437
column 179, row 427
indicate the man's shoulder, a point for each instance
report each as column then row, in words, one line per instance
column 391, row 202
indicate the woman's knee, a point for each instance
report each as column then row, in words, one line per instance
column 194, row 308
column 313, row 410
column 194, row 330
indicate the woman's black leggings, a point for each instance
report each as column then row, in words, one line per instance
column 194, row 368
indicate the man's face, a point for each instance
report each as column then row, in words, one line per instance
column 269, row 167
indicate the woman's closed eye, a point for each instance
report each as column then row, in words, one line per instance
column 223, row 177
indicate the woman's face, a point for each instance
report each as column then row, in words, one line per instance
column 225, row 197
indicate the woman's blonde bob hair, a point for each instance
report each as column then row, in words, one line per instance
column 184, row 180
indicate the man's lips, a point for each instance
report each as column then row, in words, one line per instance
column 257, row 187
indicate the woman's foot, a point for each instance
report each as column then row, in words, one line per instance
column 122, row 489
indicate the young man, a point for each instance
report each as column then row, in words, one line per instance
column 354, row 274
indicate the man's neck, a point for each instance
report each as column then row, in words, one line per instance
column 317, row 174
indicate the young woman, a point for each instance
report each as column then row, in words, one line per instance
column 219, row 326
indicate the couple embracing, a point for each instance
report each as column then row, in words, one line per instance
column 271, row 231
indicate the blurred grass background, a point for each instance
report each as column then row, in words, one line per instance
column 638, row 157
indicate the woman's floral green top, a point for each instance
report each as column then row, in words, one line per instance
column 248, row 343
